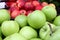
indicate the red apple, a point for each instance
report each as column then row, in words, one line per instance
column 8, row 4
column 14, row 7
column 29, row 6
column 22, row 12
column 38, row 7
column 35, row 3
column 15, row 13
column 21, row 4
column 28, row 12
column 44, row 4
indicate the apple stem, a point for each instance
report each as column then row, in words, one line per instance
column 50, row 29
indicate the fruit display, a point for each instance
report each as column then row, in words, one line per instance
column 29, row 20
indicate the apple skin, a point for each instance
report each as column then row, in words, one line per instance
column 9, row 28
column 35, row 39
column 4, row 15
column 57, row 21
column 45, row 31
column 21, row 20
column 15, row 36
column 28, row 32
column 0, row 38
column 36, row 19
column 49, row 12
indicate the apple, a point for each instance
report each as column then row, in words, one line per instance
column 4, row 15
column 13, row 7
column 0, row 38
column 9, row 27
column 57, row 21
column 22, row 12
column 15, row 36
column 28, row 32
column 47, row 30
column 21, row 20
column 29, row 6
column 53, row 5
column 39, row 7
column 28, row 12
column 35, row 39
column 36, row 19
column 56, row 34
column 49, row 12
column 14, row 14
column 21, row 4
column 35, row 3
column 44, row 4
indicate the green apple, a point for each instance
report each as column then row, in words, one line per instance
column 36, row 19
column 57, row 21
column 55, row 35
column 9, row 27
column 4, row 15
column 28, row 32
column 21, row 20
column 0, row 32
column 35, row 39
column 46, row 30
column 0, row 38
column 49, row 12
column 15, row 36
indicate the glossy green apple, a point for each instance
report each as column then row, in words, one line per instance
column 36, row 19
column 21, row 20
column 4, row 15
column 28, row 32
column 15, row 36
column 46, row 30
column 35, row 39
column 49, row 12
column 9, row 27
column 57, row 21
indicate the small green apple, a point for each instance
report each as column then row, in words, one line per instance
column 57, row 21
column 15, row 36
column 46, row 30
column 28, row 32
column 21, row 20
column 9, row 27
column 35, row 39
column 4, row 15
column 36, row 19
column 49, row 12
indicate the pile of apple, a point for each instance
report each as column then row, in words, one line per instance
column 32, row 21
column 25, row 7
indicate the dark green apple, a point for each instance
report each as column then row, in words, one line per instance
column 28, row 32
column 36, row 19
column 9, row 27
column 35, row 39
column 57, row 21
column 4, row 15
column 49, row 12
column 21, row 20
column 46, row 30
column 15, row 36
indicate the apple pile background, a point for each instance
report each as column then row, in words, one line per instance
column 25, row 7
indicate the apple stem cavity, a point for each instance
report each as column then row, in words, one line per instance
column 50, row 29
